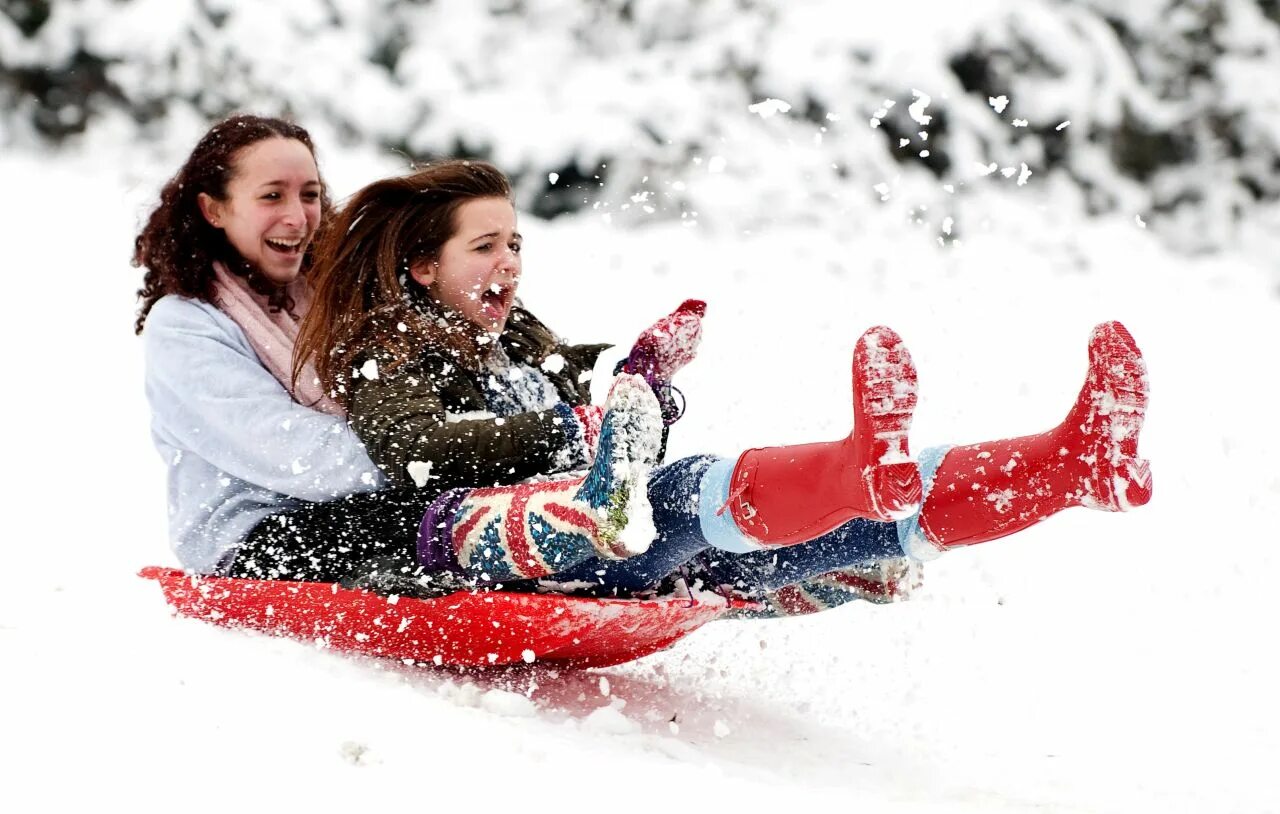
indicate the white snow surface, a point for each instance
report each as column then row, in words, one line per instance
column 1097, row 662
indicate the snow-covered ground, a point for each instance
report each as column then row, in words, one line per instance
column 1095, row 663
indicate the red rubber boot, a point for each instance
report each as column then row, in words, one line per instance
column 990, row 490
column 781, row 496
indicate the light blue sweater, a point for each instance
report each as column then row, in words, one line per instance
column 238, row 447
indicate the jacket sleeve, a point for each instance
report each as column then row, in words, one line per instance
column 212, row 397
column 402, row 420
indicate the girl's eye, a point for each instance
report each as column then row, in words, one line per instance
column 515, row 247
column 311, row 195
column 271, row 196
column 484, row 247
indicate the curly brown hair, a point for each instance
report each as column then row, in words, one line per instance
column 364, row 299
column 177, row 247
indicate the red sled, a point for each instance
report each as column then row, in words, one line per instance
column 489, row 628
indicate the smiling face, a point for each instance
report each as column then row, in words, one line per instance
column 272, row 206
column 477, row 271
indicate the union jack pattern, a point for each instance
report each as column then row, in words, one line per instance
column 531, row 530
column 881, row 582
column 528, row 530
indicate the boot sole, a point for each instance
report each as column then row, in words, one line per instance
column 884, row 397
column 1121, row 390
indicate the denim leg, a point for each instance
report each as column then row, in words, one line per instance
column 673, row 494
column 857, row 542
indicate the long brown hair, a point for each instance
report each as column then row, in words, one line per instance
column 178, row 246
column 364, row 299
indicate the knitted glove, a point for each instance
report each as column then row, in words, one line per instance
column 665, row 347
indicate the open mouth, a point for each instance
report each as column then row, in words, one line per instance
column 291, row 247
column 496, row 300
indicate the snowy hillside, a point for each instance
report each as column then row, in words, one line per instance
column 1083, row 157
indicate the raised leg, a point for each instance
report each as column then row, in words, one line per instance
column 781, row 496
column 986, row 491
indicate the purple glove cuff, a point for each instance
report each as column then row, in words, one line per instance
column 435, row 533
column 642, row 364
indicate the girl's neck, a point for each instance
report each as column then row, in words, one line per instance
column 473, row 341
column 277, row 295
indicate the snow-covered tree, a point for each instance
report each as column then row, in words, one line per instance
column 742, row 111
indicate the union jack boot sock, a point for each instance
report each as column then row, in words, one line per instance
column 531, row 530
column 780, row 496
column 986, row 491
column 879, row 582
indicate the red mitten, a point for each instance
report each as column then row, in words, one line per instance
column 669, row 344
column 665, row 347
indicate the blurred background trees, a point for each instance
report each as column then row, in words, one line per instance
column 1168, row 110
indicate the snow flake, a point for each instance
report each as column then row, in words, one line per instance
column 769, row 107
column 999, row 103
column 420, row 472
column 553, row 363
column 553, row 177
column 1019, row 122
column 1064, row 125
column 916, row 109
column 370, row 369
column 1024, row 175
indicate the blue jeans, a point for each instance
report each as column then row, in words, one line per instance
column 674, row 494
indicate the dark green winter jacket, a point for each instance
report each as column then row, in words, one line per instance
column 416, row 414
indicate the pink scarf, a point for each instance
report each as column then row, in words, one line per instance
column 273, row 334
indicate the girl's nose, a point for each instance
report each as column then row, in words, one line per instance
column 295, row 213
column 509, row 263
